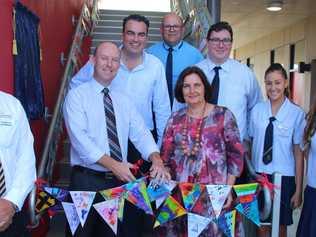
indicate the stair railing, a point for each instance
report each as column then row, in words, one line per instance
column 85, row 25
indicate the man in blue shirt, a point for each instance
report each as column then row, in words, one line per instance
column 183, row 54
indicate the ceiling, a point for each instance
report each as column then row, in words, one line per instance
column 250, row 19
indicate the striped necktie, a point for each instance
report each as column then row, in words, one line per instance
column 115, row 149
column 2, row 181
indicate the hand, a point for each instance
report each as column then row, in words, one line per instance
column 296, row 200
column 7, row 212
column 229, row 201
column 157, row 169
column 122, row 171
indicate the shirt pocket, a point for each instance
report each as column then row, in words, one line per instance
column 7, row 129
column 283, row 131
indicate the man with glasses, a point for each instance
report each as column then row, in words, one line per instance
column 234, row 85
column 173, row 52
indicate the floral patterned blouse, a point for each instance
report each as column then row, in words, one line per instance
column 220, row 154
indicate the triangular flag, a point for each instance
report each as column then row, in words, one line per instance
column 245, row 189
column 157, row 192
column 218, row 195
column 112, row 192
column 170, row 210
column 121, row 208
column 44, row 201
column 108, row 210
column 226, row 223
column 71, row 215
column 196, row 224
column 203, row 206
column 169, row 185
column 137, row 195
column 82, row 201
column 58, row 193
column 249, row 208
column 190, row 193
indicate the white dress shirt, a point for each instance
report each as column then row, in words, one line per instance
column 83, row 75
column 86, row 124
column 16, row 150
column 146, row 86
column 288, row 130
column 239, row 90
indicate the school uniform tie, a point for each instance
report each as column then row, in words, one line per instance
column 268, row 142
column 2, row 181
column 169, row 74
column 215, row 86
column 115, row 149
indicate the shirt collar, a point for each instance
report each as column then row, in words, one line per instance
column 98, row 87
column 175, row 48
column 225, row 66
column 281, row 114
column 138, row 67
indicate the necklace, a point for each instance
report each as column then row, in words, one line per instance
column 197, row 137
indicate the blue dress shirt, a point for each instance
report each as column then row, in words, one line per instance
column 85, row 121
column 183, row 55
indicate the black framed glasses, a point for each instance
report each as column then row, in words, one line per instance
column 217, row 41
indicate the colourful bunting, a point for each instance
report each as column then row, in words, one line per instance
column 108, row 210
column 157, row 192
column 82, row 201
column 112, row 192
column 226, row 223
column 121, row 208
column 71, row 215
column 196, row 224
column 137, row 195
column 218, row 195
column 245, row 189
column 170, row 185
column 170, row 210
column 248, row 206
column 44, row 201
column 203, row 206
column 190, row 193
column 58, row 193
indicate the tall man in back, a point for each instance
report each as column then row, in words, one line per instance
column 173, row 51
column 234, row 85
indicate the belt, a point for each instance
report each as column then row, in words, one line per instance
column 101, row 174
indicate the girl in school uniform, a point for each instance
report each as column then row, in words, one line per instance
column 276, row 131
column 307, row 223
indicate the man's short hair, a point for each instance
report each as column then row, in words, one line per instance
column 222, row 25
column 136, row 17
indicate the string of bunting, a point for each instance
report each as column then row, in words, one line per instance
column 168, row 208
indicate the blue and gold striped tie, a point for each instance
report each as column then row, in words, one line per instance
column 115, row 149
column 2, row 181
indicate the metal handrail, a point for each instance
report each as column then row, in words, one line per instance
column 49, row 152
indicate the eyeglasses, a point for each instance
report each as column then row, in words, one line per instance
column 169, row 27
column 217, row 41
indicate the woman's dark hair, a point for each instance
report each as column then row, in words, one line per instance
column 188, row 71
column 279, row 68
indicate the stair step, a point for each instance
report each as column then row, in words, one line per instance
column 118, row 36
column 119, row 23
column 126, row 13
column 118, row 29
column 121, row 17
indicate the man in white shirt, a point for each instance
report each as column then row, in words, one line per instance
column 239, row 90
column 17, row 166
column 92, row 150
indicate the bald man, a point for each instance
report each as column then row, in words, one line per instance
column 99, row 140
column 183, row 54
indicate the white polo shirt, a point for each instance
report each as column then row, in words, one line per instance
column 288, row 130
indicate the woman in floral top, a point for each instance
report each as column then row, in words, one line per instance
column 201, row 144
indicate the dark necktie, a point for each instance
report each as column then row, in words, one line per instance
column 2, row 181
column 215, row 86
column 268, row 142
column 169, row 74
column 115, row 149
